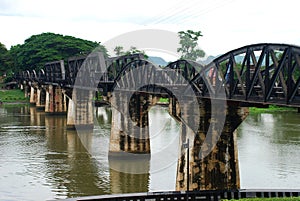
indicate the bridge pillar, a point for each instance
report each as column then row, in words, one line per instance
column 33, row 95
column 130, row 125
column 25, row 87
column 81, row 110
column 214, row 169
column 40, row 98
column 71, row 115
column 55, row 100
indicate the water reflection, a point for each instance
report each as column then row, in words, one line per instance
column 131, row 177
column 71, row 170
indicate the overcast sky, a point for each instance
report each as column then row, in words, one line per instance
column 225, row 24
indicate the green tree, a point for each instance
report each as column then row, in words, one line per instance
column 119, row 50
column 46, row 47
column 188, row 42
column 4, row 60
column 133, row 50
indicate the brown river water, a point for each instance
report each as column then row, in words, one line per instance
column 41, row 160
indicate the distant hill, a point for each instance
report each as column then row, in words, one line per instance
column 238, row 59
column 158, row 61
column 207, row 60
column 161, row 62
column 210, row 59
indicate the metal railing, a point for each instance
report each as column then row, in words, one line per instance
column 207, row 195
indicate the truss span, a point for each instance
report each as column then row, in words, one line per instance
column 261, row 73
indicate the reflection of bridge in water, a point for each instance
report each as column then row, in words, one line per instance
column 210, row 102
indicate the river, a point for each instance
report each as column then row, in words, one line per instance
column 40, row 159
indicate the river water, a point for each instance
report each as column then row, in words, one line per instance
column 40, row 159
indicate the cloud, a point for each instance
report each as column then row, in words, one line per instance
column 225, row 24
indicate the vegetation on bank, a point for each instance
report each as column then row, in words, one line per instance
column 271, row 108
column 17, row 96
column 13, row 96
column 164, row 100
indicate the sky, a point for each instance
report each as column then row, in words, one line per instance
column 225, row 24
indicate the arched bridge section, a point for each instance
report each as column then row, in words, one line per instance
column 264, row 73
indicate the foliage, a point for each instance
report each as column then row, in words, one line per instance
column 271, row 108
column 164, row 100
column 119, row 50
column 46, row 47
column 4, row 59
column 188, row 42
column 133, row 50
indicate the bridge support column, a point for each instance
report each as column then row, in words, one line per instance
column 130, row 126
column 40, row 98
column 55, row 101
column 81, row 110
column 216, row 168
column 25, row 87
column 71, row 115
column 33, row 95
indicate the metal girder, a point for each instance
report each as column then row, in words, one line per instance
column 55, row 72
column 186, row 68
column 264, row 73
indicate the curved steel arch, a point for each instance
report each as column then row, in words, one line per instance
column 26, row 75
column 33, row 75
column 187, row 68
column 41, row 76
column 115, row 65
column 127, row 79
column 144, row 76
column 267, row 73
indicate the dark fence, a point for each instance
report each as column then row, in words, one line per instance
column 211, row 195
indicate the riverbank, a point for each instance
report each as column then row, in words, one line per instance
column 16, row 96
column 13, row 96
column 272, row 108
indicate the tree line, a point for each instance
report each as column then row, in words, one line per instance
column 46, row 47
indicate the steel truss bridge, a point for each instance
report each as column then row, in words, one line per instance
column 255, row 74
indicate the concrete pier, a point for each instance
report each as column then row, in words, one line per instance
column 26, row 89
column 40, row 98
column 130, row 125
column 33, row 95
column 214, row 169
column 81, row 110
column 55, row 101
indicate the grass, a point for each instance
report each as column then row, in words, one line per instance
column 13, row 95
column 164, row 100
column 270, row 199
column 272, row 108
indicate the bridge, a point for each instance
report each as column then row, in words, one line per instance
column 209, row 102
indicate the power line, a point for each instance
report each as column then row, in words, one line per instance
column 183, row 12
